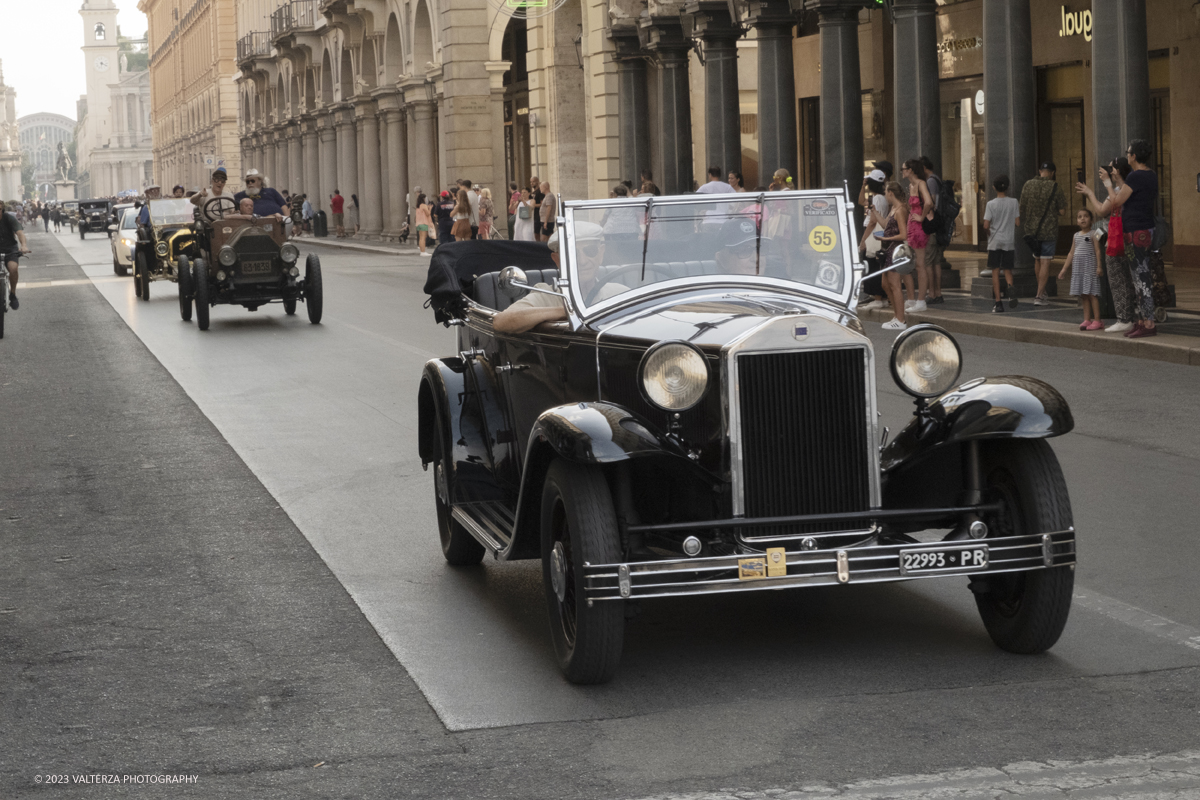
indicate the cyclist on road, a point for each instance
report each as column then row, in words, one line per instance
column 12, row 246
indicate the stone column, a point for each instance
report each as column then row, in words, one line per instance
column 347, row 152
column 664, row 38
column 385, row 170
column 395, row 145
column 327, row 133
column 267, row 167
column 422, row 158
column 1120, row 78
column 310, row 155
column 1010, row 119
column 371, row 211
column 778, row 143
column 918, row 125
column 634, row 108
column 722, row 108
column 295, row 165
column 841, row 97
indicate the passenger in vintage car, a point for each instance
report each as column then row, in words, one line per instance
column 538, row 307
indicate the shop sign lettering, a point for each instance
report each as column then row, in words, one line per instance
column 952, row 45
column 1076, row 22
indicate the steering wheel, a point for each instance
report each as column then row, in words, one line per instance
column 613, row 276
column 216, row 203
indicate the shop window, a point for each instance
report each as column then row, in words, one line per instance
column 1160, row 159
column 1061, row 137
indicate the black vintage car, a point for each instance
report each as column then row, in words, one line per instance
column 247, row 261
column 702, row 419
column 94, row 216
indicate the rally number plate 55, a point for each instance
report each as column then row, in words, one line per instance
column 943, row 559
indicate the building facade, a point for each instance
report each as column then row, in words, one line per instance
column 193, row 96
column 113, row 136
column 10, row 146
column 40, row 134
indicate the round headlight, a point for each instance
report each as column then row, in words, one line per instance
column 227, row 256
column 294, row 271
column 220, row 274
column 926, row 361
column 289, row 253
column 161, row 249
column 674, row 375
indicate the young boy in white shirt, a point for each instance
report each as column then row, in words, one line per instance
column 1001, row 217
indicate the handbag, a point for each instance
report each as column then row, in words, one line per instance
column 1116, row 237
column 523, row 212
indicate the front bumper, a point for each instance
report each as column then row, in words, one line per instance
column 850, row 565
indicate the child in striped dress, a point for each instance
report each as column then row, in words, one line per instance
column 1084, row 263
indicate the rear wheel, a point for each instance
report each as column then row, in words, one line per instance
column 185, row 289
column 200, row 292
column 141, row 282
column 314, row 293
column 579, row 526
column 1025, row 612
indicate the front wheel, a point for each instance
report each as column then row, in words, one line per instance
column 141, row 281
column 458, row 546
column 200, row 292
column 314, row 293
column 579, row 525
column 289, row 306
column 1025, row 612
column 185, row 289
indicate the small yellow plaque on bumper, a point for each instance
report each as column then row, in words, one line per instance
column 776, row 562
column 752, row 568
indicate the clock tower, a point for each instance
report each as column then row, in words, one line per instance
column 100, row 66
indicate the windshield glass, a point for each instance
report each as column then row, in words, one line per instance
column 791, row 239
column 129, row 219
column 171, row 210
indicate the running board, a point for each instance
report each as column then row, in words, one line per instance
column 490, row 522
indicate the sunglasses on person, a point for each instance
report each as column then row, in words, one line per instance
column 220, row 180
column 744, row 250
column 590, row 250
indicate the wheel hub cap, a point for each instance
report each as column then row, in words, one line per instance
column 439, row 477
column 558, row 572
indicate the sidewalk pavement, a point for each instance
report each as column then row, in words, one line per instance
column 1056, row 325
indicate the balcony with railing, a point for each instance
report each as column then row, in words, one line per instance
column 252, row 45
column 294, row 15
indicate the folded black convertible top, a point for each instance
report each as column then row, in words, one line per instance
column 456, row 265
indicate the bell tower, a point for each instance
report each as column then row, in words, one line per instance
column 100, row 65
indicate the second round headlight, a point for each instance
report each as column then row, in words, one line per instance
column 289, row 253
column 926, row 361
column 674, row 376
column 227, row 256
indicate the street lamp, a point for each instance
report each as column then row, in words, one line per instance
column 430, row 89
column 579, row 46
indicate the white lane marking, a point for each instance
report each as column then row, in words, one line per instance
column 1137, row 618
column 73, row 282
column 1176, row 775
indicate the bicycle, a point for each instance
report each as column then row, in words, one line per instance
column 4, row 287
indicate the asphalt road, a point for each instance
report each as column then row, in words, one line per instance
column 250, row 583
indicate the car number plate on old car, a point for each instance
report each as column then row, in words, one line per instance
column 943, row 558
column 255, row 267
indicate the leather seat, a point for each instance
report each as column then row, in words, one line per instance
column 486, row 289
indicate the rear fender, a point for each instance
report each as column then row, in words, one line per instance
column 597, row 434
column 1004, row 407
column 440, row 402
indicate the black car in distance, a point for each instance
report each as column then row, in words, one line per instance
column 703, row 419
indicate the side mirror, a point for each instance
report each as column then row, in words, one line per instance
column 904, row 260
column 514, row 282
column 112, row 227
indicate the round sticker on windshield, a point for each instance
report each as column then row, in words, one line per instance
column 822, row 239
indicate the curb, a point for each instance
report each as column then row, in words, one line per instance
column 1163, row 347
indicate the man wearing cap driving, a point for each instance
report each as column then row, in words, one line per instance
column 1039, row 197
column 217, row 189
column 153, row 192
column 535, row 308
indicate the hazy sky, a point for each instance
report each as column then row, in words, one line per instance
column 40, row 52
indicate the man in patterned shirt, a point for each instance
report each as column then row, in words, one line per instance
column 1039, row 198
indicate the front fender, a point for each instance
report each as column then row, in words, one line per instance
column 1004, row 407
column 585, row 433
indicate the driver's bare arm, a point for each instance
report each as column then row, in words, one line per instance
column 518, row 319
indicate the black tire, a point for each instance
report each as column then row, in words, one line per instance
column 141, row 284
column 185, row 289
column 200, row 292
column 1025, row 612
column 3, row 314
column 81, row 232
column 289, row 306
column 579, row 525
column 458, row 546
column 314, row 293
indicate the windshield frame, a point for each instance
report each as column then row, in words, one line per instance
column 184, row 204
column 845, row 209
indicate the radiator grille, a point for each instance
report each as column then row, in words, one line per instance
column 805, row 448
